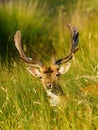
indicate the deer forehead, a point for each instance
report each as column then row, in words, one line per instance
column 49, row 70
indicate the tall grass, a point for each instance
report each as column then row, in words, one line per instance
column 23, row 101
column 30, row 19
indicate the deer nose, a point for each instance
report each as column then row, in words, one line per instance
column 48, row 85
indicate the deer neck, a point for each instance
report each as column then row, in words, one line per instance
column 54, row 95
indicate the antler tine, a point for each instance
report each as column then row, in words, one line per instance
column 53, row 57
column 74, row 42
column 17, row 40
column 74, row 38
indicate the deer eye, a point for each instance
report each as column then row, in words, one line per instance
column 40, row 77
column 58, row 74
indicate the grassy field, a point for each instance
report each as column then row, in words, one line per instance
column 23, row 101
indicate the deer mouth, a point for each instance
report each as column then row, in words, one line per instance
column 56, row 90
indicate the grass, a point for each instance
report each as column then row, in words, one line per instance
column 23, row 101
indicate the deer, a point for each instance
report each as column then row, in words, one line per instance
column 50, row 75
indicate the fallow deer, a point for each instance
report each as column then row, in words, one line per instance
column 50, row 75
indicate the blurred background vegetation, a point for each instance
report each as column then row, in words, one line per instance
column 42, row 24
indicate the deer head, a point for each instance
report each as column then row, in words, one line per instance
column 50, row 75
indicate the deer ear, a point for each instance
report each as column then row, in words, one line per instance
column 35, row 72
column 64, row 68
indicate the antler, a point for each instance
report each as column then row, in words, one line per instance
column 74, row 42
column 17, row 39
column 73, row 48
